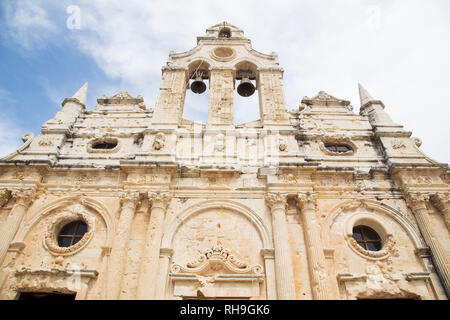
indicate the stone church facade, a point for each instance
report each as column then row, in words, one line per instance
column 130, row 202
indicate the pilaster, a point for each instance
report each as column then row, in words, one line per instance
column 150, row 262
column 118, row 258
column 314, row 247
column 283, row 261
column 417, row 203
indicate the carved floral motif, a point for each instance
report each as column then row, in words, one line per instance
column 276, row 198
column 217, row 258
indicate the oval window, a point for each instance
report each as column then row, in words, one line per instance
column 367, row 238
column 71, row 233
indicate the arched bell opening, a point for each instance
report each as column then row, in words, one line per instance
column 197, row 91
column 245, row 97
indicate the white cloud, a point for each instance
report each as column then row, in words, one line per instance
column 397, row 49
column 27, row 23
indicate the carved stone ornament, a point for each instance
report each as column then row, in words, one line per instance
column 216, row 259
column 159, row 142
column 276, row 198
column 161, row 199
column 417, row 200
column 74, row 213
column 219, row 143
column 111, row 140
column 61, row 280
column 223, row 54
column 122, row 97
column 323, row 98
column 5, row 195
column 338, row 139
column 24, row 196
column 387, row 250
column 308, row 199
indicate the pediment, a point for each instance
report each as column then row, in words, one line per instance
column 122, row 97
column 325, row 99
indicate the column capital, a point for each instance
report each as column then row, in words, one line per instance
column 441, row 200
column 5, row 195
column 129, row 198
column 276, row 199
column 159, row 199
column 24, row 196
column 307, row 199
column 417, row 200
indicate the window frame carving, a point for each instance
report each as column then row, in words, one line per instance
column 58, row 222
column 91, row 149
column 373, row 222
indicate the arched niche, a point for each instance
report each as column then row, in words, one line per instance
column 218, row 252
column 58, row 205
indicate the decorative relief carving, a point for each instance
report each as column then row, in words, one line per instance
column 46, row 142
column 276, row 198
column 24, row 196
column 288, row 178
column 159, row 142
column 441, row 201
column 5, row 195
column 223, row 54
column 307, row 199
column 130, row 198
column 51, row 280
column 417, row 200
column 121, row 98
column 417, row 142
column 338, row 139
column 217, row 258
column 323, row 98
column 388, row 248
column 219, row 144
column 398, row 144
column 161, row 199
column 282, row 144
column 73, row 213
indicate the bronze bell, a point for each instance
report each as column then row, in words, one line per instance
column 198, row 86
column 246, row 88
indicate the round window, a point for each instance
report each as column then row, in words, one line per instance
column 71, row 233
column 367, row 238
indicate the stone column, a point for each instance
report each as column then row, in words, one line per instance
column 118, row 258
column 149, row 265
column 442, row 202
column 417, row 203
column 23, row 198
column 314, row 247
column 269, row 264
column 221, row 97
column 283, row 261
column 161, row 281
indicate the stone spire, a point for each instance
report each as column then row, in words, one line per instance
column 81, row 94
column 364, row 96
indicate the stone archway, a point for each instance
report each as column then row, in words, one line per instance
column 219, row 251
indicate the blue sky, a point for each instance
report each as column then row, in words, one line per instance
column 397, row 49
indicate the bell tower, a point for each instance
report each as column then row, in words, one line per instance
column 222, row 61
